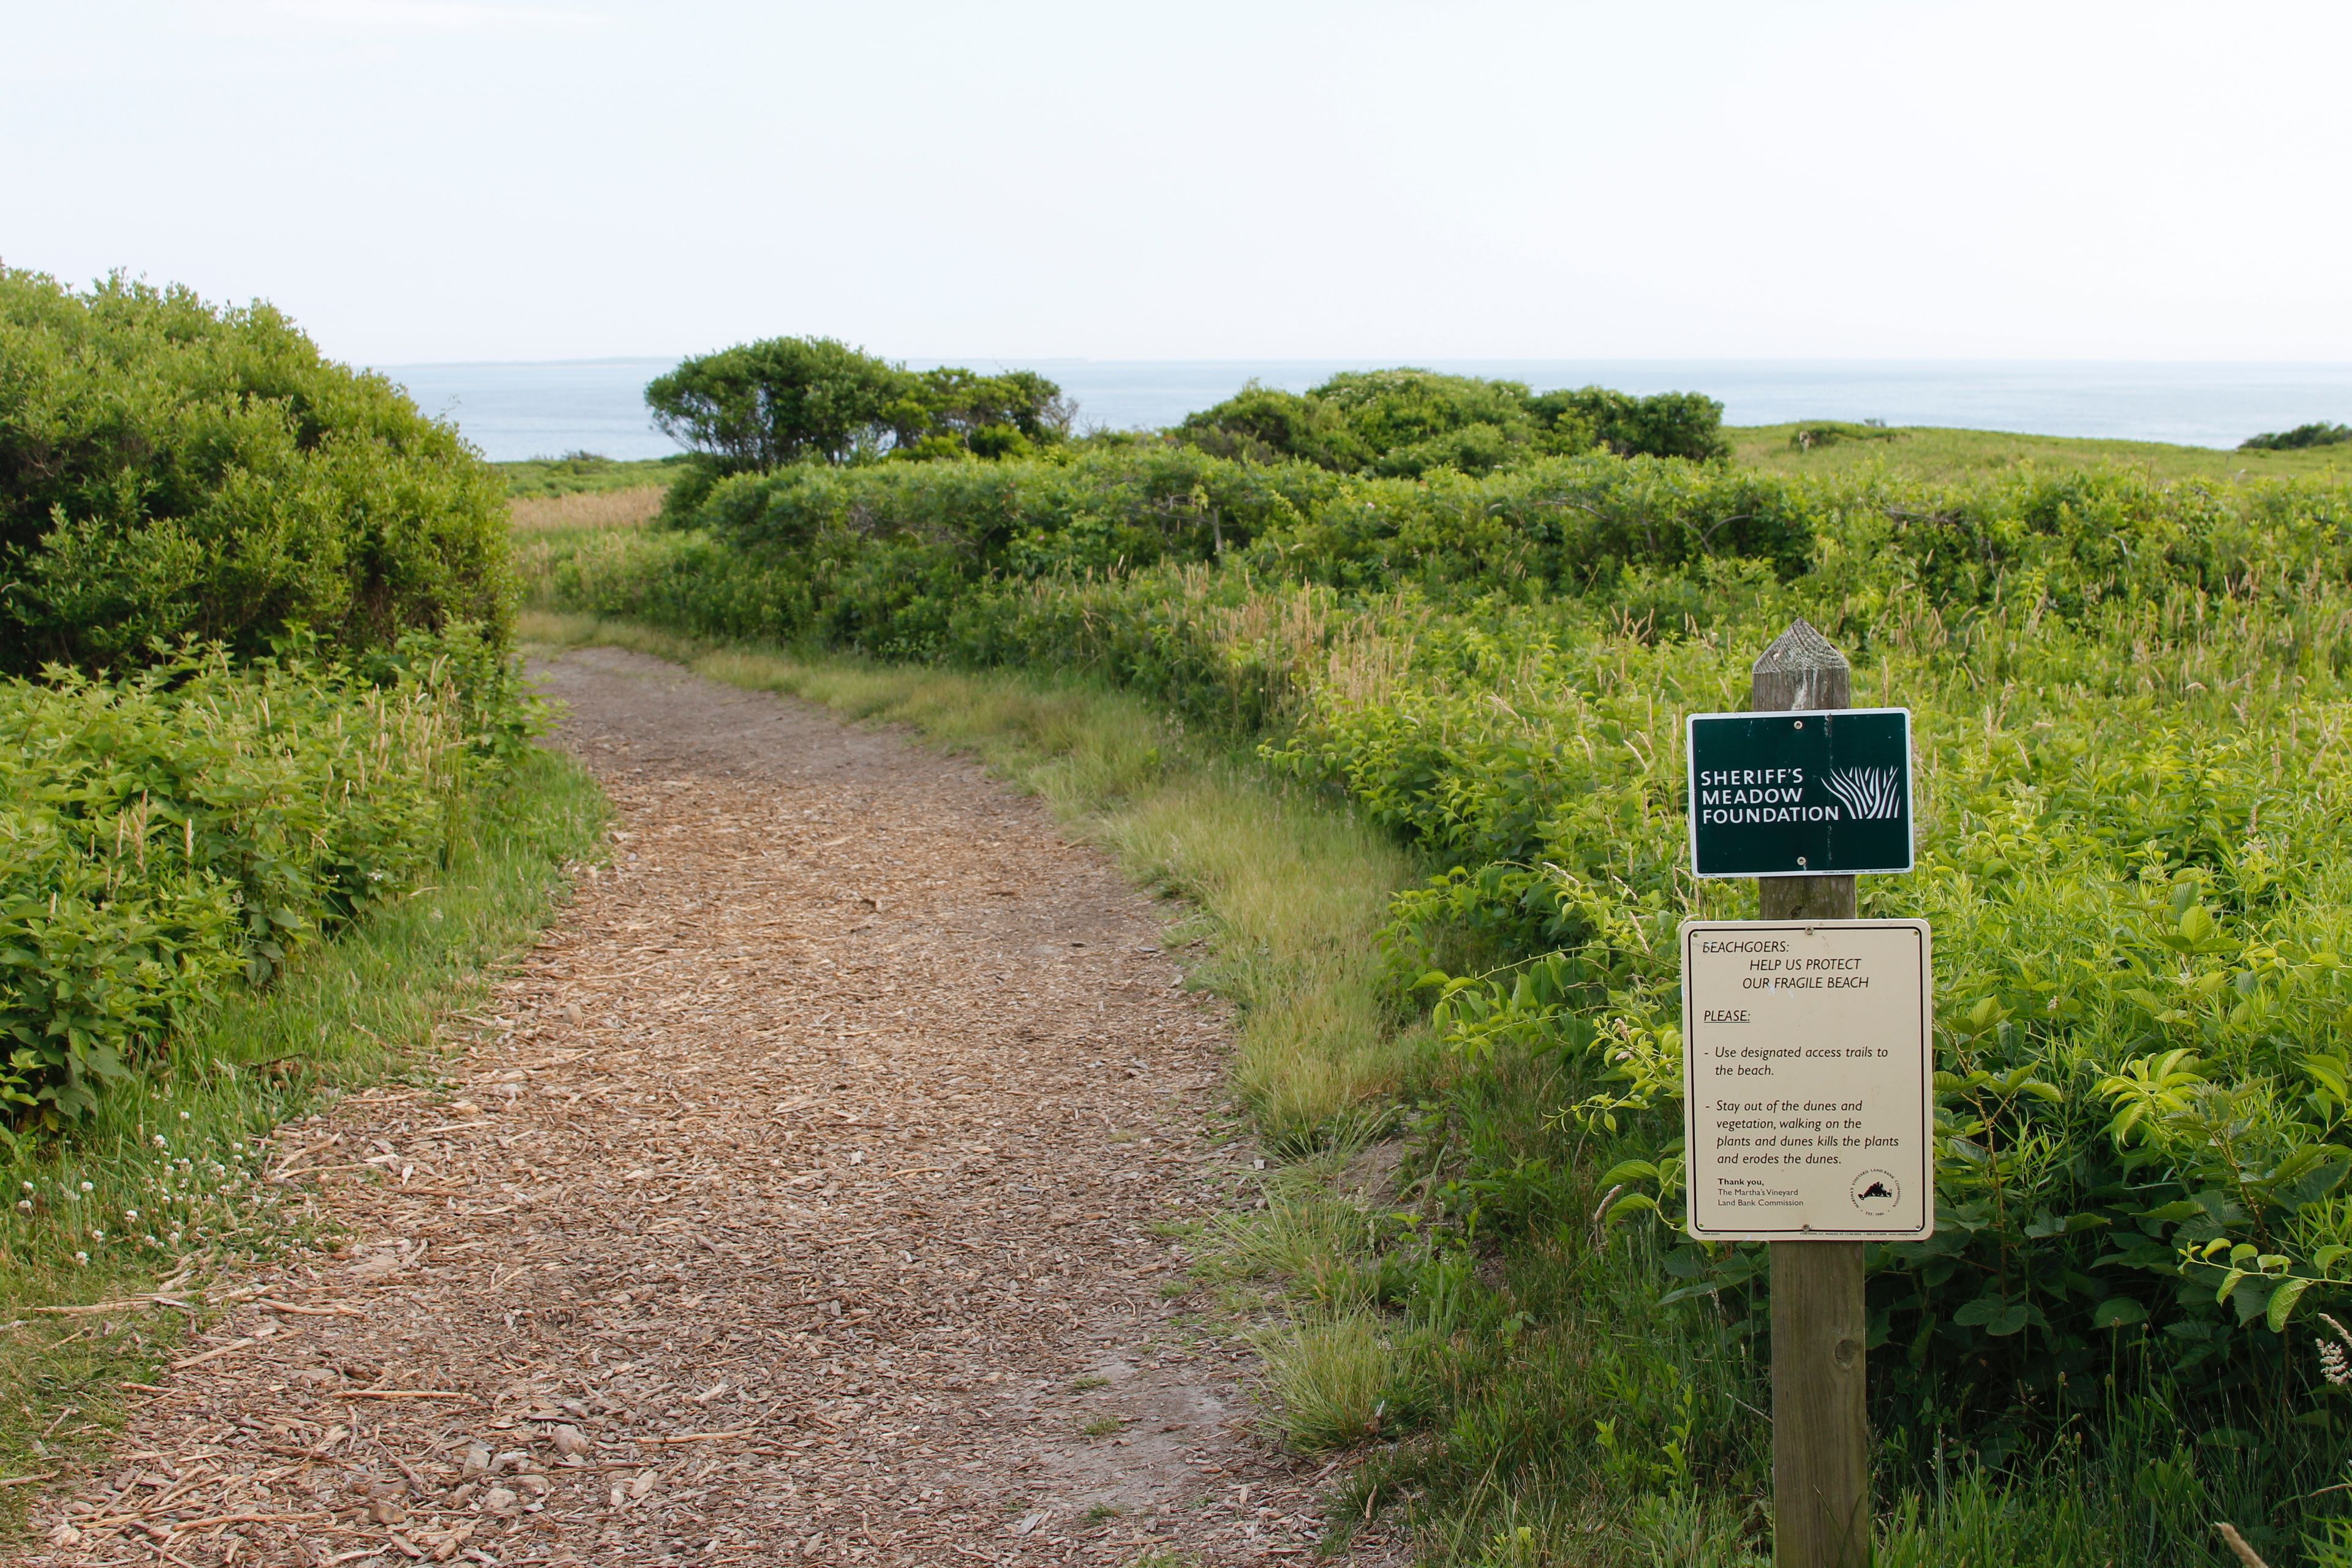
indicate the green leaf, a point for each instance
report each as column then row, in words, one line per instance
column 2282, row 1301
column 2320, row 1176
column 1983, row 1310
column 1629, row 1206
column 2117, row 1311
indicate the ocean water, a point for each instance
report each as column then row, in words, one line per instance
column 546, row 408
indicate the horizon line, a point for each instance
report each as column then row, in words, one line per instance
column 1759, row 360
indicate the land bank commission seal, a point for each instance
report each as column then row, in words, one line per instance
column 1876, row 1192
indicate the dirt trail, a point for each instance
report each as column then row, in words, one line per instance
column 799, row 1205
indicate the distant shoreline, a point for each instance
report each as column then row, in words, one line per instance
column 522, row 409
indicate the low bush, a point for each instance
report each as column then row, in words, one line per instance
column 1410, row 423
column 168, row 834
column 2298, row 439
column 170, row 471
column 886, row 558
column 1663, row 425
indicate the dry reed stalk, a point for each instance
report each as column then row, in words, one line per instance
column 607, row 509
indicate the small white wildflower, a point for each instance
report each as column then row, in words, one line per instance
column 160, row 1142
column 81, row 1258
column 26, row 1186
column 98, row 1234
column 131, row 1214
column 24, row 1204
column 87, row 1187
column 184, row 1116
column 150, row 1240
column 2333, row 1365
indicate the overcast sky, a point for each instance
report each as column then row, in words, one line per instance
column 421, row 180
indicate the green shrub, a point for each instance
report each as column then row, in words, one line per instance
column 1664, row 425
column 950, row 411
column 764, row 405
column 1265, row 425
column 176, row 831
column 781, row 400
column 173, row 471
column 1098, row 510
column 884, row 554
column 1394, row 422
column 2298, row 439
column 1408, row 423
column 885, row 551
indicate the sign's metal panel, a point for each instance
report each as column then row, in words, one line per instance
column 1808, row 1080
column 1821, row 793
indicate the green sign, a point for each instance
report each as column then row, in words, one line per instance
column 1820, row 794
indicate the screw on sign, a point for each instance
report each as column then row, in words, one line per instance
column 1807, row 1055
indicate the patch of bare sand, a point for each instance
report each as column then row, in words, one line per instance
column 799, row 1204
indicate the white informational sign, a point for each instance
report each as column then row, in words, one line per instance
column 1808, row 1068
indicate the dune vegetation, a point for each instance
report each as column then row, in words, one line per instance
column 271, row 802
column 2131, row 690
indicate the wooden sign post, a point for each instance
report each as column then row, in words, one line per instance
column 1808, row 1054
column 1820, row 1417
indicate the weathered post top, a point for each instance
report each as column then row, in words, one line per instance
column 1801, row 670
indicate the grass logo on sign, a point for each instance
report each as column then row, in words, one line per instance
column 1818, row 794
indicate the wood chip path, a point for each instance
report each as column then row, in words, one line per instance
column 798, row 1204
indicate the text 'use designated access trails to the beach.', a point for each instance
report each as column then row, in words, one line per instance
column 807, row 1197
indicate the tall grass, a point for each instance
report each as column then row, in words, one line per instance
column 633, row 508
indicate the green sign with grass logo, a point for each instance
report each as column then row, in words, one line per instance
column 1808, row 794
